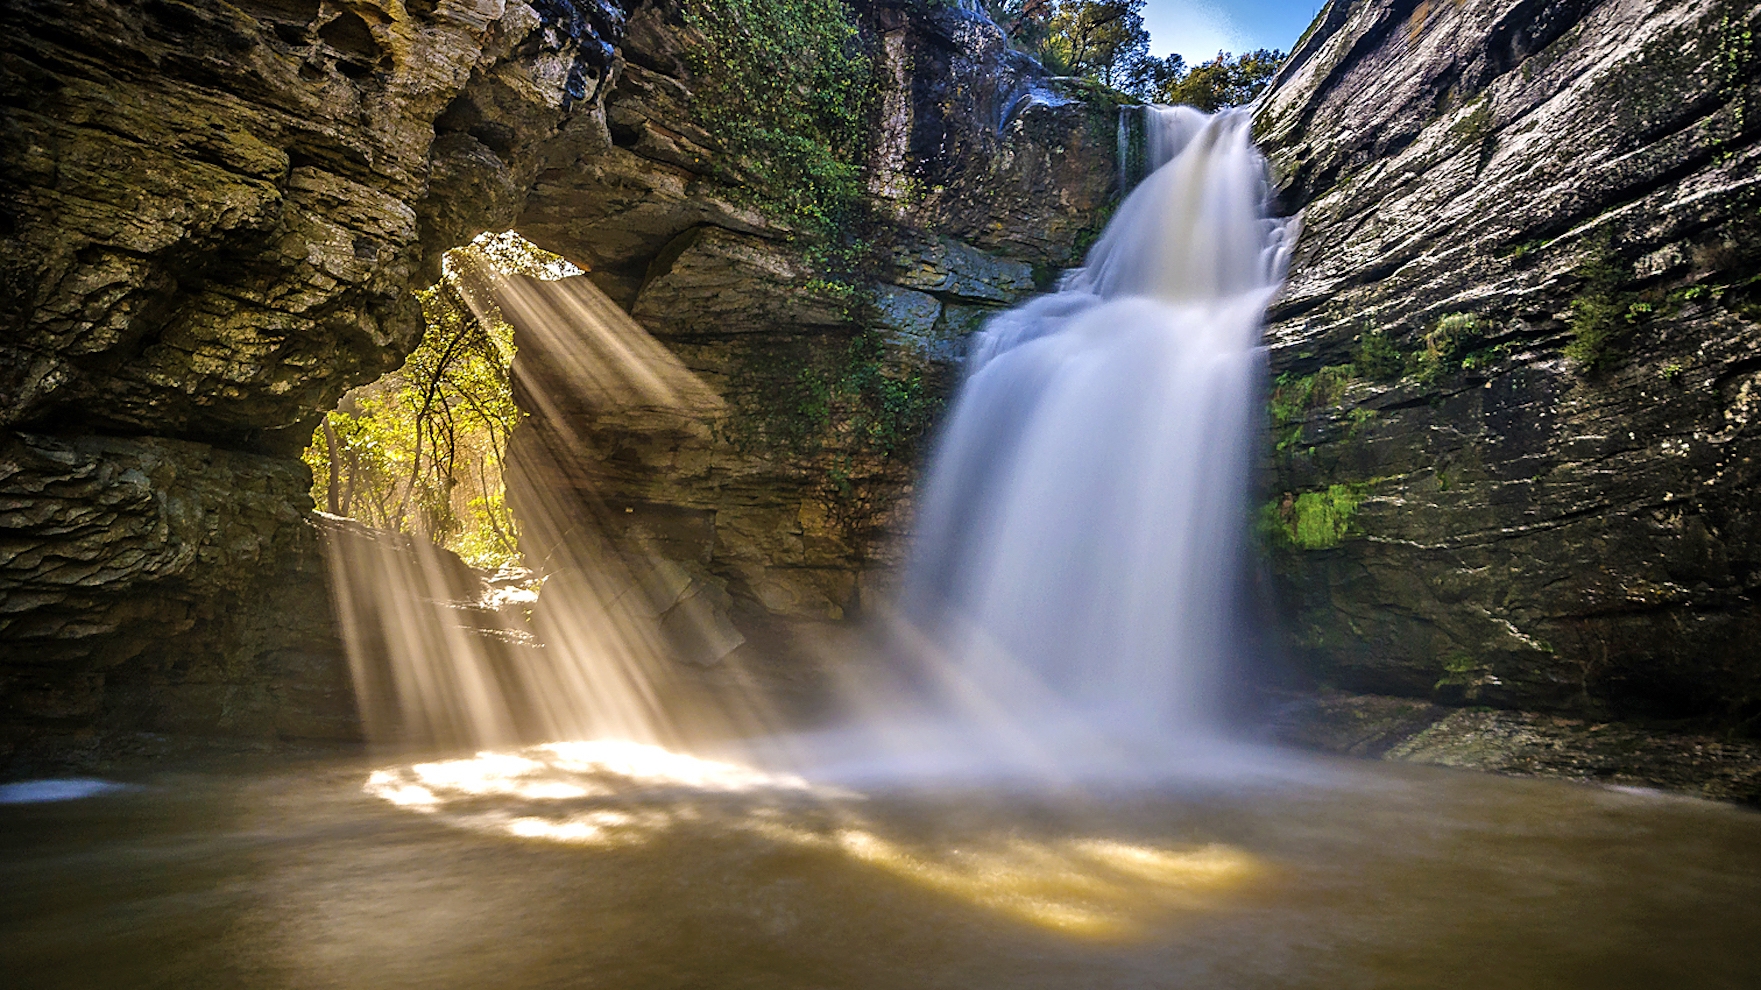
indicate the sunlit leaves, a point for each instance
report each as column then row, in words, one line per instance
column 423, row 449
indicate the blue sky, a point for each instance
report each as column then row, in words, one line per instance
column 1197, row 29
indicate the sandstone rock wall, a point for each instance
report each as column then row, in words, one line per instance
column 1550, row 500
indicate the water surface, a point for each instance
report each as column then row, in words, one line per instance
column 1369, row 875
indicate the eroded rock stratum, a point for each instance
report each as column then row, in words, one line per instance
column 1517, row 434
column 215, row 213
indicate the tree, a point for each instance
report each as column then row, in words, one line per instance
column 1105, row 40
column 1225, row 81
column 1149, row 76
column 1023, row 21
column 423, row 449
column 1100, row 39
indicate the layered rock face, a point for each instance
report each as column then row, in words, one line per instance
column 794, row 498
column 1517, row 432
column 214, row 214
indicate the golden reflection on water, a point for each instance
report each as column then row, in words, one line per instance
column 1089, row 887
column 610, row 793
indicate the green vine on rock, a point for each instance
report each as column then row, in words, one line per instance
column 854, row 396
column 1445, row 345
column 786, row 85
column 1602, row 315
column 1293, row 397
column 1377, row 357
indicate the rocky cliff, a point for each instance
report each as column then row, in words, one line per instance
column 215, row 213
column 1516, row 425
column 983, row 175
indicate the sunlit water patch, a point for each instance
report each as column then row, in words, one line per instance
column 614, row 866
column 612, row 793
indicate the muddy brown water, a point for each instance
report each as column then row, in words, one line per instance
column 1359, row 875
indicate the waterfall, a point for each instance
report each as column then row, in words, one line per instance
column 1078, row 540
column 1079, row 536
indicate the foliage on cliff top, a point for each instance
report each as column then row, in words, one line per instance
column 786, row 86
column 1099, row 39
column 1106, row 40
column 1224, row 81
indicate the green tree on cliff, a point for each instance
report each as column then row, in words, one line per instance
column 1225, row 81
column 1147, row 77
column 1105, row 40
column 1099, row 39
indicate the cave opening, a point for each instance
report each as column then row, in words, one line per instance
column 423, row 450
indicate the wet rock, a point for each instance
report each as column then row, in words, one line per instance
column 904, row 311
column 1550, row 495
column 1524, row 744
column 947, row 267
column 721, row 282
column 979, row 144
column 157, row 585
column 215, row 211
column 691, row 607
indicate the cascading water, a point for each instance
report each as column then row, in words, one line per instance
column 1078, row 543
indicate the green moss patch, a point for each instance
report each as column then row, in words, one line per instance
column 1293, row 396
column 1377, row 358
column 854, row 395
column 1315, row 520
column 1445, row 345
column 1603, row 313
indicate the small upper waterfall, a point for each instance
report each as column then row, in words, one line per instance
column 1079, row 536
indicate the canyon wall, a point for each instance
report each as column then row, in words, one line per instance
column 214, row 215
column 1516, row 427
column 985, row 177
